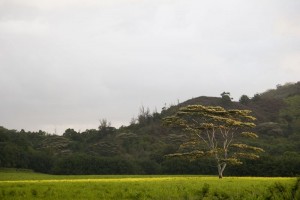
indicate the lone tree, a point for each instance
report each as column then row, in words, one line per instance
column 225, row 97
column 213, row 131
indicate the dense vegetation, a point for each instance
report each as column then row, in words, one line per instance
column 140, row 148
column 27, row 185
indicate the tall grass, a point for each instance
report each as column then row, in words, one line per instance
column 42, row 186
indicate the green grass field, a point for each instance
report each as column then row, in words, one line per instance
column 28, row 185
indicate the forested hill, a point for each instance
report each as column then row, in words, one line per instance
column 140, row 148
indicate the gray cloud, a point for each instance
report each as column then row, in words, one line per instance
column 69, row 63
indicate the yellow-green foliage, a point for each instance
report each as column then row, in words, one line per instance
column 143, row 187
column 217, row 128
column 249, row 135
column 247, row 147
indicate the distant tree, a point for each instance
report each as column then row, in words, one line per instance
column 104, row 124
column 72, row 134
column 226, row 99
column 90, row 135
column 212, row 131
column 164, row 108
column 144, row 115
column 133, row 121
column 256, row 97
column 244, row 100
column 105, row 128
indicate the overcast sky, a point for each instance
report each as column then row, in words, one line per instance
column 68, row 63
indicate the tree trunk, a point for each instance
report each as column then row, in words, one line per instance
column 221, row 168
column 220, row 171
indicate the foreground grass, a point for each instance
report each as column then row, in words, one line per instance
column 27, row 185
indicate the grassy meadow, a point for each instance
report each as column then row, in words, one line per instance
column 28, row 185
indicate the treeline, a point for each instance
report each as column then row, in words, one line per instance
column 68, row 154
column 140, row 148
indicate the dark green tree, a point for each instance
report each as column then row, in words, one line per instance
column 105, row 128
column 104, row 124
column 256, row 97
column 212, row 131
column 72, row 134
column 225, row 97
column 244, row 99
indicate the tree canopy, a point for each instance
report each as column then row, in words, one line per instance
column 218, row 129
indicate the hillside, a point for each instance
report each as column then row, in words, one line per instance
column 140, row 148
